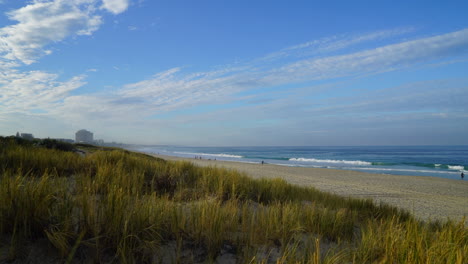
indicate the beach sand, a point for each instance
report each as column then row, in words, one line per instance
column 428, row 198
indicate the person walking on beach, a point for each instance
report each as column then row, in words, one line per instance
column 462, row 175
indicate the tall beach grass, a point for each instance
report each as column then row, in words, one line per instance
column 117, row 206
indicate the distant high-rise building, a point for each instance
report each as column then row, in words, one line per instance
column 27, row 136
column 83, row 135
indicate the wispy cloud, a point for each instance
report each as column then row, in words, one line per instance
column 174, row 90
column 332, row 44
column 384, row 58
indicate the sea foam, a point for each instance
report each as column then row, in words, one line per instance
column 350, row 162
column 460, row 168
column 211, row 155
column 404, row 170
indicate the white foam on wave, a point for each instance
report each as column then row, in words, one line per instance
column 350, row 162
column 211, row 155
column 287, row 165
column 402, row 170
column 437, row 165
column 460, row 168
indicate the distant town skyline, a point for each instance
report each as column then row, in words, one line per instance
column 80, row 136
column 236, row 73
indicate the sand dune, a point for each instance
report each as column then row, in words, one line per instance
column 426, row 197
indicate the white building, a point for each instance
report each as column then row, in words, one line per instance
column 27, row 136
column 84, row 136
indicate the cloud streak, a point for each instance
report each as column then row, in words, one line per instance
column 380, row 59
column 173, row 90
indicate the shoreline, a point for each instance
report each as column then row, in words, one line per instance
column 428, row 198
column 431, row 161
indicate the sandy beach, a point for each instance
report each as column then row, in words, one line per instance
column 426, row 197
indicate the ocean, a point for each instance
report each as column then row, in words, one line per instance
column 436, row 161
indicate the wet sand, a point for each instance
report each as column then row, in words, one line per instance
column 429, row 198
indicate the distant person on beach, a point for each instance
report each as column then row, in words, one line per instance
column 263, row 162
column 462, row 175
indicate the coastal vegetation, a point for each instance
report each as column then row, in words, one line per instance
column 112, row 205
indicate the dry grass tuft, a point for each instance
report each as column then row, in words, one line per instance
column 114, row 205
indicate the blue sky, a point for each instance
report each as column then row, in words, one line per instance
column 236, row 73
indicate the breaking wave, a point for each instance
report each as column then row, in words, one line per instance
column 402, row 170
column 350, row 162
column 211, row 155
column 456, row 167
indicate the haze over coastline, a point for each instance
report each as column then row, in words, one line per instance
column 238, row 73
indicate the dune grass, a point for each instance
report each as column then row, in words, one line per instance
column 117, row 206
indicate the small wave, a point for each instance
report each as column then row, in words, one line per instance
column 425, row 165
column 384, row 164
column 211, row 155
column 265, row 158
column 436, row 165
column 351, row 162
column 456, row 167
column 403, row 170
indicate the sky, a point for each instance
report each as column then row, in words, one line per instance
column 236, row 73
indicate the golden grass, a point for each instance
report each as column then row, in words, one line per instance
column 126, row 207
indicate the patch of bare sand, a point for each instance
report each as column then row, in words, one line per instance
column 428, row 198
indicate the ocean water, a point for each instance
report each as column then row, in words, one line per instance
column 436, row 161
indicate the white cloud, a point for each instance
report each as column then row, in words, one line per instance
column 35, row 90
column 115, row 6
column 41, row 23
